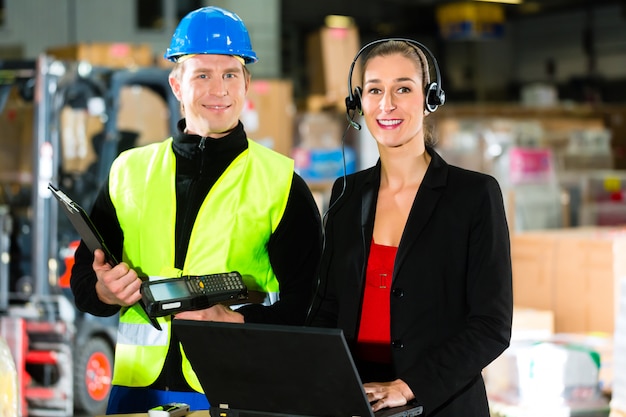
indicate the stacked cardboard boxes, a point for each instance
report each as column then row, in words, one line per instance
column 573, row 272
column 269, row 113
column 318, row 152
column 330, row 52
column 615, row 118
column 16, row 140
column 111, row 55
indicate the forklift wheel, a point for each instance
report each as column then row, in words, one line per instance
column 93, row 370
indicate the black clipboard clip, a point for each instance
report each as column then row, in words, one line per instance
column 90, row 234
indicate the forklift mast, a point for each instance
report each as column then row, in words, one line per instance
column 63, row 357
column 46, row 145
column 39, row 330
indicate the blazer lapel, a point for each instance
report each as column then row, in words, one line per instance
column 369, row 195
column 424, row 204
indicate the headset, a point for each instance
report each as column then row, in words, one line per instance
column 434, row 96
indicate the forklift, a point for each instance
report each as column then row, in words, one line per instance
column 63, row 357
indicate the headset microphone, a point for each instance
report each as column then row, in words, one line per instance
column 352, row 122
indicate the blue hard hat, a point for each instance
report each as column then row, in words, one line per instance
column 211, row 30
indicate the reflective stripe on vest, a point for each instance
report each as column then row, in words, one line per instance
column 245, row 204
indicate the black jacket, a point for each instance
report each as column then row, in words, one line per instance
column 451, row 295
column 294, row 248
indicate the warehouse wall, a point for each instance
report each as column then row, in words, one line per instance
column 561, row 38
column 29, row 28
column 32, row 26
column 520, row 57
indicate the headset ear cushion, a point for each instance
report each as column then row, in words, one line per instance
column 353, row 102
column 349, row 103
column 434, row 97
column 357, row 100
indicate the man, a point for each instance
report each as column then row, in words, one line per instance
column 207, row 200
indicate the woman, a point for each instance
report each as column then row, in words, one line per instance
column 416, row 268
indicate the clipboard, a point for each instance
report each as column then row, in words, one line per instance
column 83, row 224
column 88, row 232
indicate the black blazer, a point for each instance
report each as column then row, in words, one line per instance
column 451, row 295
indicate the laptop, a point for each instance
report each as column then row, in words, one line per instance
column 258, row 370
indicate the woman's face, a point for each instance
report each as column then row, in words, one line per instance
column 393, row 101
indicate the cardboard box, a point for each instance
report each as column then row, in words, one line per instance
column 268, row 115
column 316, row 130
column 532, row 324
column 78, row 128
column 572, row 272
column 142, row 118
column 469, row 20
column 144, row 112
column 16, row 141
column 330, row 52
column 112, row 55
column 533, row 266
column 317, row 151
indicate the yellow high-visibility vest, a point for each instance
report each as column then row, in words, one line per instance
column 230, row 233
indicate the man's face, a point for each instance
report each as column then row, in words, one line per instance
column 212, row 90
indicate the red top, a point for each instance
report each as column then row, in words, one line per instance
column 374, row 339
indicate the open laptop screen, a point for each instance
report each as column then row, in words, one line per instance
column 261, row 369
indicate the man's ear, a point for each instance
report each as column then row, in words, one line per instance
column 175, row 86
column 248, row 78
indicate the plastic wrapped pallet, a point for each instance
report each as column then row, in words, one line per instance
column 547, row 373
column 9, row 395
column 618, row 399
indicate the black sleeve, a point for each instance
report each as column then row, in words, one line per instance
column 324, row 307
column 83, row 278
column 294, row 251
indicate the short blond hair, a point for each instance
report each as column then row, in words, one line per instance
column 177, row 70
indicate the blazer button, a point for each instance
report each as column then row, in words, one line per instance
column 397, row 344
column 398, row 292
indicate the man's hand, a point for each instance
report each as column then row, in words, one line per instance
column 218, row 312
column 388, row 394
column 116, row 285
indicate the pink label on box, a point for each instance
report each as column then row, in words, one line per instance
column 339, row 33
column 529, row 164
column 261, row 86
column 120, row 49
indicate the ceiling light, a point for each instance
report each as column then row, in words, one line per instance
column 503, row 1
column 338, row 21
